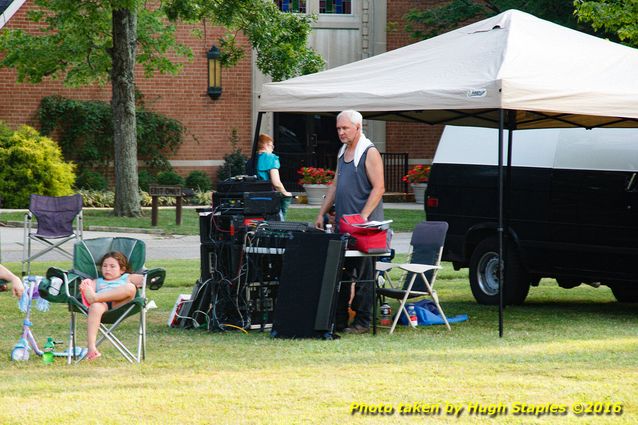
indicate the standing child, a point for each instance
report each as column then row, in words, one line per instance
column 115, row 288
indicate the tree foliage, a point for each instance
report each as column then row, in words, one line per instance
column 617, row 17
column 279, row 38
column 429, row 22
column 75, row 42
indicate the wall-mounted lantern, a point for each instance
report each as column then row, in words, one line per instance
column 214, row 73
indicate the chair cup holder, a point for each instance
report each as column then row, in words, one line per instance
column 155, row 279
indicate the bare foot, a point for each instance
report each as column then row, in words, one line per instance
column 93, row 355
column 88, row 291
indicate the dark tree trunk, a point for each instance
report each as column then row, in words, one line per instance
column 127, row 200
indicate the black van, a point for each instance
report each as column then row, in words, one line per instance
column 571, row 208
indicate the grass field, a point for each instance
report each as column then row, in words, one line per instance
column 404, row 220
column 562, row 348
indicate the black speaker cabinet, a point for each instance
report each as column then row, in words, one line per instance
column 220, row 259
column 245, row 184
column 308, row 286
column 205, row 224
column 195, row 311
column 207, row 261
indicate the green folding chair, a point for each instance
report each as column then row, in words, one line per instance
column 64, row 287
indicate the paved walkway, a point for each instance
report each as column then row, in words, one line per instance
column 158, row 246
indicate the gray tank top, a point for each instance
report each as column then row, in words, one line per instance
column 353, row 189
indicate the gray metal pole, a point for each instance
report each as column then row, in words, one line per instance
column 253, row 152
column 499, row 229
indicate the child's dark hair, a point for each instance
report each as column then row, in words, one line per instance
column 119, row 257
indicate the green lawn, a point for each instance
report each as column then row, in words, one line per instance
column 561, row 347
column 404, row 220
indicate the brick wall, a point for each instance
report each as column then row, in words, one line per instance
column 183, row 97
column 420, row 140
column 208, row 123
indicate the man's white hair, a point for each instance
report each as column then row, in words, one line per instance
column 354, row 116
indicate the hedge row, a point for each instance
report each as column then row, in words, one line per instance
column 106, row 199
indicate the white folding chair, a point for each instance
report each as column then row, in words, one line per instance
column 427, row 243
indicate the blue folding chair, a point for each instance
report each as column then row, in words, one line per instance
column 55, row 217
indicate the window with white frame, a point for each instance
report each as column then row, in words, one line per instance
column 335, row 7
column 294, row 6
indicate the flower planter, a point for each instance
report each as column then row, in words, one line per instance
column 418, row 179
column 419, row 192
column 315, row 193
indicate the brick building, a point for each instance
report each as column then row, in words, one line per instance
column 419, row 140
column 361, row 26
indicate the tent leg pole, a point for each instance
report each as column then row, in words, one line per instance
column 501, row 121
column 253, row 152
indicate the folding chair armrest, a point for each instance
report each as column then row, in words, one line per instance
column 382, row 266
column 59, row 293
column 26, row 224
column 55, row 272
column 418, row 268
column 155, row 278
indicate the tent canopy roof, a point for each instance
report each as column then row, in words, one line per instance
column 550, row 75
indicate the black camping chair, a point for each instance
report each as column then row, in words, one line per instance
column 55, row 217
column 426, row 244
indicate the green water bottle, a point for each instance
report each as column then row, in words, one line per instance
column 47, row 355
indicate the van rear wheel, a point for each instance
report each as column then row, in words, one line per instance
column 484, row 277
column 625, row 293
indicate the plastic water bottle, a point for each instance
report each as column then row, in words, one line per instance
column 47, row 355
column 386, row 315
column 328, row 228
column 412, row 313
column 56, row 284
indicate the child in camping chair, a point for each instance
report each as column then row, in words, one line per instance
column 115, row 288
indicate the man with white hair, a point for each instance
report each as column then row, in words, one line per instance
column 357, row 188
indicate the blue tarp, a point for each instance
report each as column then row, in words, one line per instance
column 427, row 314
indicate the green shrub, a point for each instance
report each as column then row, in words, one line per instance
column 145, row 179
column 31, row 163
column 234, row 162
column 170, row 178
column 85, row 130
column 202, row 198
column 199, row 180
column 97, row 198
column 146, row 200
column 106, row 199
column 157, row 135
column 91, row 180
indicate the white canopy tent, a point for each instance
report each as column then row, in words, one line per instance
column 551, row 75
column 512, row 71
